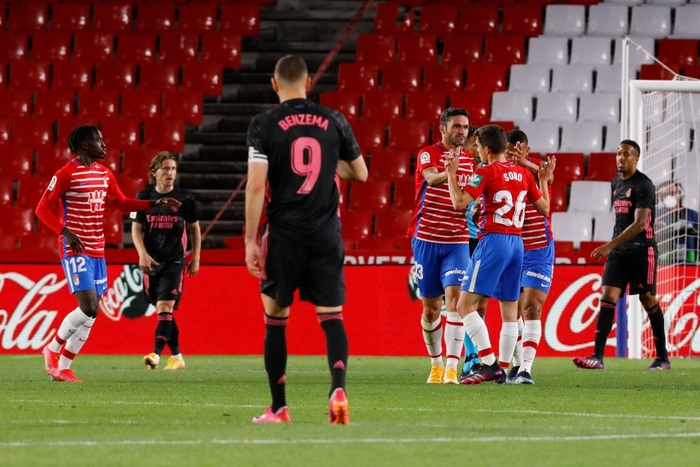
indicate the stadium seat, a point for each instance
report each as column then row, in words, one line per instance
column 557, row 199
column 438, row 19
column 608, row 79
column 563, row 248
column 589, row 196
column 28, row 17
column 686, row 23
column 93, row 46
column 137, row 161
column 444, row 78
column 49, row 159
column 654, row 71
column 159, row 76
column 197, row 18
column 570, row 166
column 15, row 104
column 416, row 49
column 556, row 107
column 136, row 47
column 572, row 78
column 6, row 188
column 13, row 46
column 522, row 19
column 586, row 137
column 165, row 134
column 358, row 77
column 612, row 137
column 461, row 49
column 98, row 104
column 30, row 191
column 70, row 17
column 410, row 135
column 547, row 50
column 45, row 241
column 347, row 103
column 113, row 226
column 601, row 166
column 479, row 19
column 155, row 17
column 652, row 21
column 477, row 103
column 376, row 48
column 183, row 105
column 5, row 131
column 141, row 105
column 17, row 162
column 177, row 47
column 607, row 20
column 222, row 48
column 130, row 185
column 382, row 244
column 112, row 17
column 678, row 51
column 393, row 225
column 404, row 195
column 595, row 51
column 637, row 57
column 390, row 165
column 400, row 77
column 387, row 20
column 31, row 75
column 16, row 222
column 504, row 50
column 356, row 225
column 573, row 227
column 375, row 196
column 74, row 76
column 369, row 134
column 54, row 104
column 599, row 108
column 241, row 19
column 531, row 78
column 542, row 137
column 121, row 133
column 382, row 106
column 489, row 78
column 565, row 20
column 115, row 76
column 33, row 133
column 205, row 77
column 51, row 47
column 512, row 106
column 425, row 106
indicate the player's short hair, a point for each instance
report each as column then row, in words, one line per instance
column 291, row 69
column 157, row 163
column 452, row 112
column 472, row 131
column 80, row 134
column 492, row 137
column 517, row 136
column 632, row 143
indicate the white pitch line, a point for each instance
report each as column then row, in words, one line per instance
column 595, row 415
column 154, row 442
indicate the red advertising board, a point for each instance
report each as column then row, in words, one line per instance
column 221, row 313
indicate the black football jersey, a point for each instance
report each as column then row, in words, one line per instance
column 301, row 142
column 636, row 192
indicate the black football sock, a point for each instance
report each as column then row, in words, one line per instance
column 336, row 347
column 603, row 327
column 163, row 330
column 276, row 359
column 174, row 339
column 656, row 319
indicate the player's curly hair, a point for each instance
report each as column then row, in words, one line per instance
column 157, row 163
column 80, row 134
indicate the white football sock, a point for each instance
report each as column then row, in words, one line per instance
column 74, row 344
column 532, row 333
column 432, row 335
column 518, row 352
column 69, row 326
column 475, row 327
column 454, row 339
column 506, row 343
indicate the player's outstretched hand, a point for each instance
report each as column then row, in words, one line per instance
column 546, row 169
column 168, row 202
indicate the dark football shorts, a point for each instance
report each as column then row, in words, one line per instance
column 316, row 269
column 636, row 267
column 165, row 284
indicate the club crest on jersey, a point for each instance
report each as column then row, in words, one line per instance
column 76, row 280
column 474, row 180
column 96, row 199
column 52, row 183
column 425, row 157
column 628, row 192
column 251, row 152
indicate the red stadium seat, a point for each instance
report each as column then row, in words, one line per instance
column 563, row 247
column 358, row 77
column 159, row 76
column 54, row 104
column 408, row 134
column 570, row 167
column 45, row 241
column 16, row 222
column 387, row 164
column 462, row 49
column 558, row 201
column 5, row 131
column 121, row 133
column 112, row 17
column 130, row 185
column 438, row 19
column 383, row 106
column 178, row 47
column 376, row 48
column 479, row 19
column 504, row 50
column 601, row 166
column 347, row 103
column 386, row 19
column 197, row 18
column 183, row 105
column 203, row 77
column 3, row 75
column 393, row 225
column 418, row 49
column 113, row 226
column 490, row 78
column 98, row 104
column 155, row 17
column 375, row 195
column 17, row 162
column 137, row 162
column 167, row 135
column 657, row 72
column 369, row 134
column 67, row 125
column 356, row 225
column 3, row 19
column 13, row 46
column 678, row 51
column 445, row 78
column 376, row 244
column 32, row 75
column 70, row 17
column 15, row 104
column 586, row 248
column 141, row 105
column 521, row 19
column 93, row 46
column 404, row 195
column 477, row 103
column 425, row 105
column 33, row 133
column 136, row 47
column 75, row 75
column 52, row 47
column 692, row 71
column 222, row 48
column 241, row 19
column 30, row 191
column 6, row 241
column 6, row 188
column 401, row 77
column 115, row 76
column 50, row 159
column 28, row 17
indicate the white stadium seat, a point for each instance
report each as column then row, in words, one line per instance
column 511, row 107
column 637, row 56
column 589, row 196
column 573, row 227
column 542, row 137
column 612, row 137
column 585, row 137
column 651, row 21
column 608, row 79
column 607, row 20
column 572, row 78
column 666, row 2
column 687, row 21
column 565, row 20
column 599, row 108
column 556, row 107
column 603, row 225
column 545, row 50
column 533, row 78
column 591, row 51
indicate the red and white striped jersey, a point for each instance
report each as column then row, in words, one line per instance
column 434, row 218
column 537, row 229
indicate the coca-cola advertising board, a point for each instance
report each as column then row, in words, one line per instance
column 221, row 313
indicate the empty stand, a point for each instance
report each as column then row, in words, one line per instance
column 356, row 224
column 32, row 75
column 401, row 77
column 542, row 137
column 93, row 46
column 477, row 103
column 161, row 76
column 489, row 77
column 608, row 79
column 522, row 19
column 438, row 19
column 376, row 48
column 347, row 103
column 383, row 106
column 197, row 18
column 686, row 23
column 183, row 105
column 136, row 47
column 404, row 195
column 115, row 76
column 607, row 20
column 612, row 137
column 178, row 47
column 393, row 225
column 137, row 161
column 461, row 49
column 155, row 17
column 15, row 104
column 375, row 196
column 411, row 135
column 479, row 19
column 6, row 188
column 445, row 78
column 570, row 166
column 417, row 49
column 390, row 165
column 369, row 134
column 572, row 78
column 5, row 131
column 130, row 185
column 583, row 137
column 242, row 19
column 28, row 17
column 425, row 106
column 678, row 51
column 506, row 50
column 603, row 226
column 653, row 21
column 358, row 77
column 601, row 166
column 166, row 134
column 112, row 17
column 33, row 133
column 30, row 190
column 512, row 106
column 75, row 75
column 49, row 159
column 572, row 227
column 17, row 162
column 70, row 17
column 546, row 50
column 13, row 46
column 557, row 200
column 54, row 104
column 143, row 105
column 114, row 226
column 532, row 78
column 121, row 133
column 206, row 78
column 98, row 104
column 589, row 196
column 595, row 51
column 222, row 48
column 46, row 241
column 637, row 57
column 387, row 19
column 52, row 47
column 556, row 107
column 565, row 20
column 599, row 107
column 16, row 222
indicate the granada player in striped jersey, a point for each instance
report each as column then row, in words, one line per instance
column 81, row 188
column 538, row 268
column 494, row 269
column 440, row 242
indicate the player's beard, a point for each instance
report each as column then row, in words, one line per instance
column 454, row 141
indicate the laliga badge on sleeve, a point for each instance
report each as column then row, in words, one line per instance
column 52, row 183
column 425, row 157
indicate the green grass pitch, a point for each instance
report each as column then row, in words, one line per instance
column 125, row 415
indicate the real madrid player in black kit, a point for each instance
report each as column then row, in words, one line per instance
column 160, row 238
column 299, row 149
column 632, row 257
